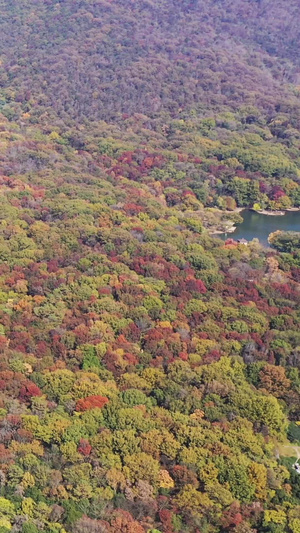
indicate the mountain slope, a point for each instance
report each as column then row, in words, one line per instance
column 149, row 373
column 99, row 59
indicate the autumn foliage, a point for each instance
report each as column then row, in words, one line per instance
column 91, row 402
column 149, row 367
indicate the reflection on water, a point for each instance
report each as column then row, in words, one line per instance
column 259, row 226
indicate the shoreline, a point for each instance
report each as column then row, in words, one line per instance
column 275, row 213
column 266, row 212
column 232, row 229
column 270, row 213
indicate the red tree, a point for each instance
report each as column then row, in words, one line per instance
column 84, row 404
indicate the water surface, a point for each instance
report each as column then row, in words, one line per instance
column 256, row 225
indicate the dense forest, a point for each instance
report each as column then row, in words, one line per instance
column 149, row 372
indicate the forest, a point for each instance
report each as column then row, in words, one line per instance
column 149, row 371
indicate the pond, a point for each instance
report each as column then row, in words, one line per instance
column 259, row 226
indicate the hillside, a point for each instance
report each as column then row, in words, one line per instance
column 98, row 59
column 149, row 372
